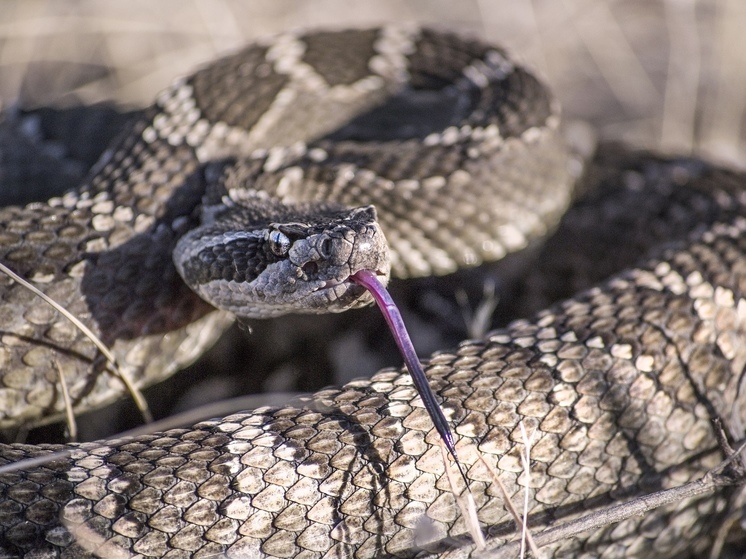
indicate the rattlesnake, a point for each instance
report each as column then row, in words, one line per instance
column 459, row 149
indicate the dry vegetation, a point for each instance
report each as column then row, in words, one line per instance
column 660, row 73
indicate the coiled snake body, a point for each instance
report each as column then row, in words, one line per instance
column 458, row 149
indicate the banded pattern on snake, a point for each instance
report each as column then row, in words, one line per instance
column 621, row 382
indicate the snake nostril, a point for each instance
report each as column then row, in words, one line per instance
column 325, row 249
column 310, row 268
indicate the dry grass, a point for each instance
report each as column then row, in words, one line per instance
column 660, row 73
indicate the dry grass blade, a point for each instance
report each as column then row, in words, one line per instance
column 465, row 502
column 479, row 320
column 615, row 58
column 137, row 396
column 526, row 460
column 222, row 408
column 734, row 519
column 217, row 409
column 31, row 463
column 725, row 107
column 517, row 517
column 72, row 426
column 682, row 86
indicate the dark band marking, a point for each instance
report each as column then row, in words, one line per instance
column 239, row 89
column 440, row 59
column 515, row 104
column 340, row 57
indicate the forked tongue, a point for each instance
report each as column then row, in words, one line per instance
column 393, row 317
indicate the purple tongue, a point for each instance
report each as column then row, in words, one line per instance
column 370, row 282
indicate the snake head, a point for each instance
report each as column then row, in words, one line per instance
column 295, row 259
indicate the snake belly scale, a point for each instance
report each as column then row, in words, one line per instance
column 458, row 150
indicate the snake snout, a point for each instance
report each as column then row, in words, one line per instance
column 370, row 251
column 326, row 247
column 335, row 249
column 354, row 241
column 329, row 258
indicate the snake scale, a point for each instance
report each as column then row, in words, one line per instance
column 459, row 151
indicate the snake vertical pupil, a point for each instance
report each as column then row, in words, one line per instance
column 279, row 243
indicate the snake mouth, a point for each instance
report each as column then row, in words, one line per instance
column 346, row 293
column 348, row 281
column 330, row 284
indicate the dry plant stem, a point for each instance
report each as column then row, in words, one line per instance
column 637, row 506
column 614, row 514
column 72, row 426
column 734, row 518
column 611, row 515
column 509, row 504
column 680, row 103
column 221, row 408
column 526, row 461
column 737, row 500
column 478, row 321
column 31, row 463
column 465, row 502
column 137, row 396
column 217, row 409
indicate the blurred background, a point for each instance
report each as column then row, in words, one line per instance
column 669, row 74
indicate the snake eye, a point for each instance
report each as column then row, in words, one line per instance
column 279, row 243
